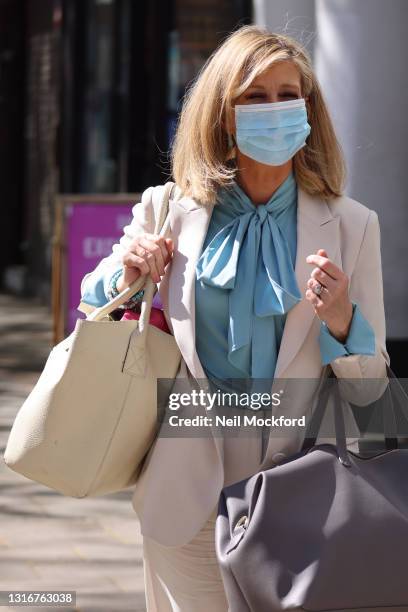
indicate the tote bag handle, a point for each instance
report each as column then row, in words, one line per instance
column 161, row 227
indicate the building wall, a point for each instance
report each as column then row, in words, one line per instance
column 12, row 67
column 361, row 62
column 293, row 17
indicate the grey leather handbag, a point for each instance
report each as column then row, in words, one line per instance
column 325, row 530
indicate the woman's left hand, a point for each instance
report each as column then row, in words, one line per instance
column 333, row 305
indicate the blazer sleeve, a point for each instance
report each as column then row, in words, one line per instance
column 366, row 290
column 94, row 284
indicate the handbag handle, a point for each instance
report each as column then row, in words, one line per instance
column 161, row 227
column 390, row 425
column 341, row 442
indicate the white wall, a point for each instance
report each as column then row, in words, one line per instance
column 294, row 17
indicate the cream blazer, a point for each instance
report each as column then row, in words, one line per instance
column 182, row 477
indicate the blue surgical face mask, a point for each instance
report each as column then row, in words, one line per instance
column 271, row 133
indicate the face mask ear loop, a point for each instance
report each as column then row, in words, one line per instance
column 232, row 150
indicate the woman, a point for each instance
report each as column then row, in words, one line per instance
column 273, row 273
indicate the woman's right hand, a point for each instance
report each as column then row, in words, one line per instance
column 147, row 254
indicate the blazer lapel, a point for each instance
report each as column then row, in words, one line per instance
column 317, row 229
column 188, row 226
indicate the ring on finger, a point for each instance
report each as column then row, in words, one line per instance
column 318, row 288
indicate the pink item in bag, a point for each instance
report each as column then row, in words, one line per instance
column 157, row 318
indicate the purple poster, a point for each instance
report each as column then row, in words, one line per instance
column 91, row 230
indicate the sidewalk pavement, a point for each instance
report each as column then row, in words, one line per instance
column 48, row 541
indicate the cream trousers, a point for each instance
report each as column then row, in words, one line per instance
column 187, row 578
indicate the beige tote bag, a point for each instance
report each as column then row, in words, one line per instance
column 92, row 415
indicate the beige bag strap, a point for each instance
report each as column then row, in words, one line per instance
column 161, row 227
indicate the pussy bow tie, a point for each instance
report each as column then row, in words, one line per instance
column 250, row 257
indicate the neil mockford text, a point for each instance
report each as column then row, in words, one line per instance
column 238, row 420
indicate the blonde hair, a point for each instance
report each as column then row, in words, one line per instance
column 199, row 155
